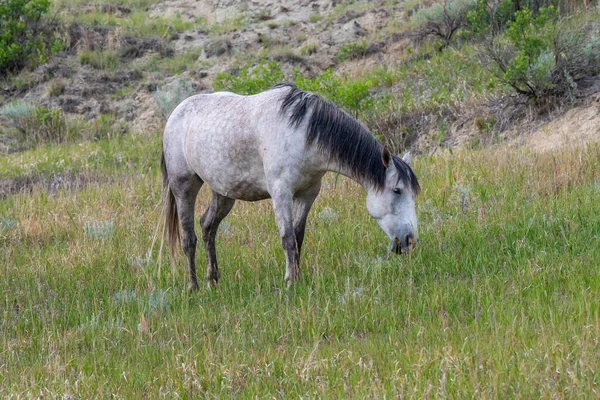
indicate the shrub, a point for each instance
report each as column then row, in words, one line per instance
column 46, row 125
column 353, row 95
column 545, row 56
column 250, row 80
column 16, row 111
column 21, row 36
column 169, row 96
column 491, row 16
column 442, row 20
column 352, row 51
column 34, row 126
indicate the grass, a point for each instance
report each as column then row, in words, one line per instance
column 229, row 24
column 176, row 64
column 498, row 300
column 138, row 23
column 139, row 4
column 102, row 60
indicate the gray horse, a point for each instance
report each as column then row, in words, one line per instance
column 277, row 144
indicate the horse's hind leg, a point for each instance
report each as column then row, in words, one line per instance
column 218, row 209
column 185, row 192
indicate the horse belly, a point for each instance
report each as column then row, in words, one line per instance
column 248, row 191
column 236, row 178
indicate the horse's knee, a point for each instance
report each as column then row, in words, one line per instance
column 288, row 240
column 189, row 242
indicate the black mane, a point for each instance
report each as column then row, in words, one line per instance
column 343, row 138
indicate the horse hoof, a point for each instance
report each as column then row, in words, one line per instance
column 192, row 287
column 290, row 282
column 212, row 283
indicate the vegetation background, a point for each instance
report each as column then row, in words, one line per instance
column 499, row 99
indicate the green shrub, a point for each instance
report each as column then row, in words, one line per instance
column 250, row 80
column 353, row 95
column 21, row 37
column 545, row 56
column 352, row 51
column 491, row 16
column 16, row 111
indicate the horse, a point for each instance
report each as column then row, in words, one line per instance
column 277, row 144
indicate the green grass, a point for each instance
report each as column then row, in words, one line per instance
column 138, row 23
column 98, row 59
column 139, row 4
column 499, row 300
column 176, row 64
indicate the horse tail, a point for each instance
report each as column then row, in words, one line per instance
column 169, row 210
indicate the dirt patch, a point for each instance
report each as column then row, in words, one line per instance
column 52, row 183
column 576, row 128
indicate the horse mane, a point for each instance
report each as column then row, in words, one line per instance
column 342, row 137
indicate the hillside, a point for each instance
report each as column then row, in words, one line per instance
column 126, row 65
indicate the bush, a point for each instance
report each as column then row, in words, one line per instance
column 34, row 126
column 21, row 36
column 169, row 97
column 442, row 20
column 250, row 81
column 491, row 16
column 353, row 95
column 545, row 56
column 16, row 111
column 349, row 94
column 352, row 51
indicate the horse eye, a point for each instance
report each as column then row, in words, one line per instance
column 397, row 190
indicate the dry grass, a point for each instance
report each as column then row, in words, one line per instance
column 498, row 299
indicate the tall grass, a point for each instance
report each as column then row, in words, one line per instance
column 499, row 299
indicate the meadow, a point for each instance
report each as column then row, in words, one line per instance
column 498, row 300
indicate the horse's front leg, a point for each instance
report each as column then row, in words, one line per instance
column 300, row 209
column 282, row 206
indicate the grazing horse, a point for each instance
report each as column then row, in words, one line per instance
column 277, row 144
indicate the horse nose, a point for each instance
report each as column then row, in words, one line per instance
column 410, row 241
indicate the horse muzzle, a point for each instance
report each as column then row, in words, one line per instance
column 403, row 245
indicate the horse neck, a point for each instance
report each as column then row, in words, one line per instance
column 333, row 166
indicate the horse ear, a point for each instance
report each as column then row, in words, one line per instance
column 406, row 157
column 386, row 157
